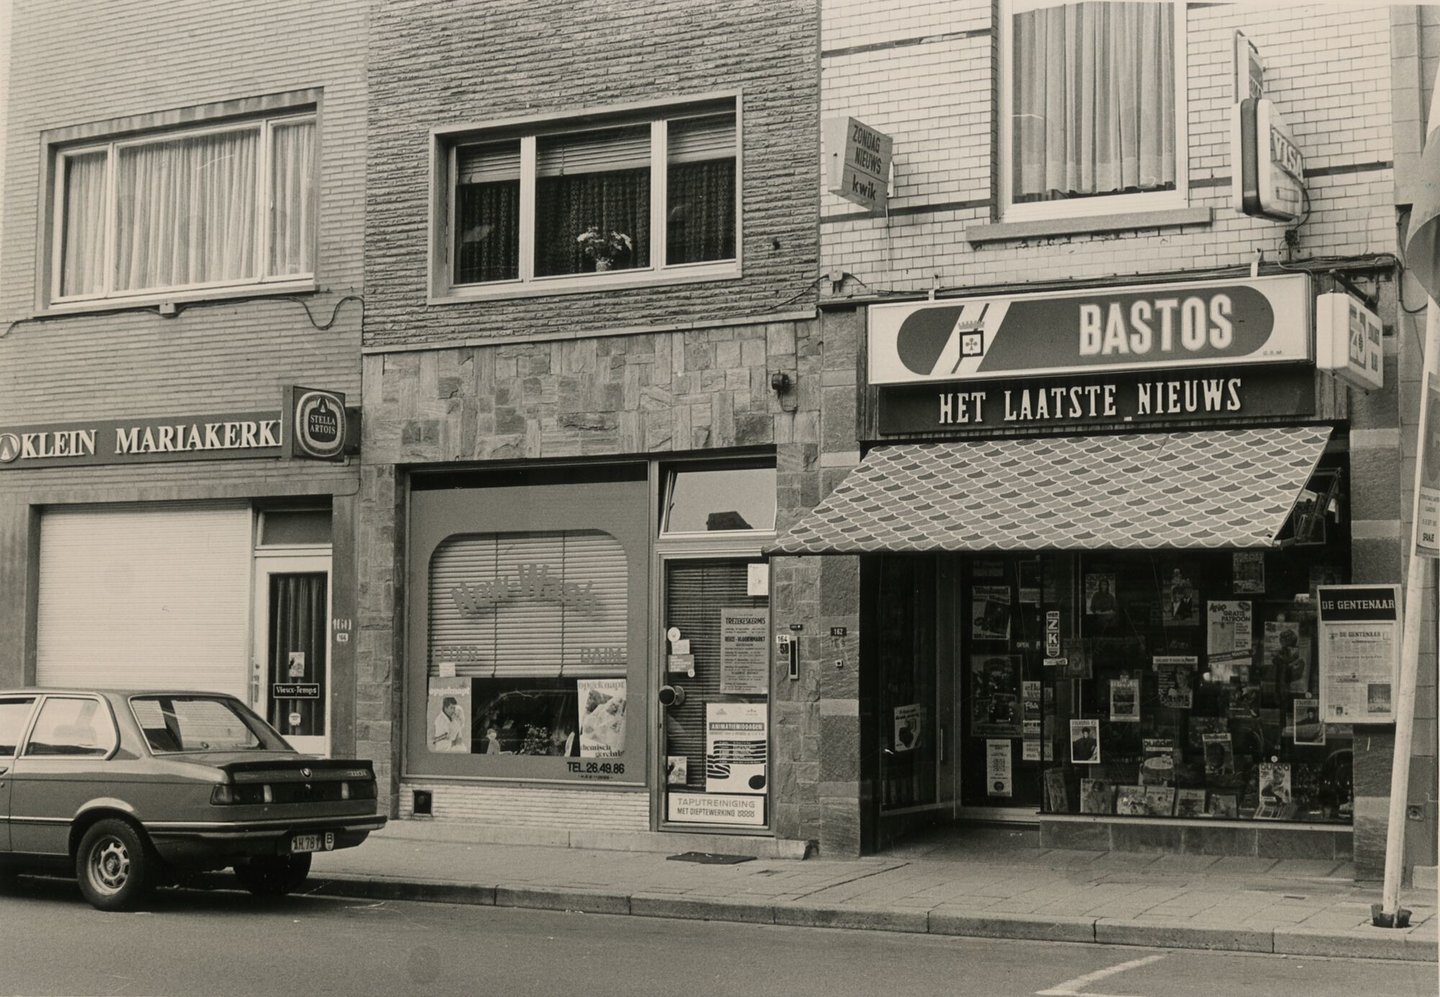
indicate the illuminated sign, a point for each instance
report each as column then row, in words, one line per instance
column 1348, row 341
column 1268, row 168
column 315, row 424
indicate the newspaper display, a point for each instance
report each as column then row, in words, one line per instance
column 1359, row 652
column 744, row 651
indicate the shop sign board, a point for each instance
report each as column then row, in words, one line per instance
column 1249, row 70
column 316, row 426
column 1348, row 341
column 715, row 808
column 1078, row 402
column 1267, row 166
column 857, row 165
column 1359, row 652
column 1096, row 330
column 140, row 441
column 295, row 690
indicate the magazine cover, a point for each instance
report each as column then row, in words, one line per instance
column 1097, row 796
column 1190, row 803
column 1223, row 805
column 1074, row 660
column 1219, row 755
column 1248, row 572
column 448, row 715
column 1158, row 765
column 1308, row 727
column 1275, row 787
column 1057, row 793
column 1130, row 801
column 1159, row 801
column 995, row 709
column 1084, row 742
column 1180, row 604
column 1200, row 726
column 1125, row 700
column 992, row 612
column 602, row 717
column 1100, row 594
column 1175, row 677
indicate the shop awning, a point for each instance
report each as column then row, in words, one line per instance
column 1144, row 491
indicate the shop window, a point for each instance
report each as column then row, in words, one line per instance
column 224, row 206
column 906, row 623
column 720, row 499
column 653, row 194
column 1092, row 107
column 528, row 647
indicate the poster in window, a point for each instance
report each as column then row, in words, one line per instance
column 1097, row 796
column 1229, row 629
column 1175, row 678
column 1084, row 742
column 1359, row 652
column 744, row 651
column 1274, row 790
column 1100, row 594
column 992, row 612
column 1125, row 700
column 1157, row 767
column 1307, row 725
column 1057, row 792
column 1219, row 755
column 995, row 709
column 1286, row 656
column 448, row 712
column 998, row 771
column 1180, row 605
column 737, row 736
column 1248, row 572
column 602, row 717
column 909, row 726
column 677, row 770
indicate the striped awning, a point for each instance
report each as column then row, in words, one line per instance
column 1143, row 491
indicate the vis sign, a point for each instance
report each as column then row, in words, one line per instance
column 1268, row 169
column 1215, row 323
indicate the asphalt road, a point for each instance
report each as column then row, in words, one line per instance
column 222, row 943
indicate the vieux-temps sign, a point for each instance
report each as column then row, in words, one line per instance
column 136, row 441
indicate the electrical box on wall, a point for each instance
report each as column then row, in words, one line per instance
column 1348, row 341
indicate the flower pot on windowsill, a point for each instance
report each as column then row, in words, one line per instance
column 602, row 264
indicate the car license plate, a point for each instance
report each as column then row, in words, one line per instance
column 313, row 842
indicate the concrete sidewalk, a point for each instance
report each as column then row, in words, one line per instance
column 987, row 883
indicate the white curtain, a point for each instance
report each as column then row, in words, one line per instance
column 292, row 156
column 1094, row 100
column 186, row 211
column 82, row 256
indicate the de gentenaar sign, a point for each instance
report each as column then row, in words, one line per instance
column 138, row 441
column 1096, row 331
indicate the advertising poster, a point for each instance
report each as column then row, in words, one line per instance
column 1359, row 652
column 1181, row 604
column 737, row 736
column 909, row 726
column 1229, row 628
column 602, row 717
column 1073, row 662
column 677, row 770
column 995, row 696
column 1125, row 700
column 1248, row 572
column 992, row 612
column 1084, row 742
column 1100, row 594
column 744, row 651
column 448, row 715
column 1175, row 677
column 998, row 781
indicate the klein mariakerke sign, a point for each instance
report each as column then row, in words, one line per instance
column 1093, row 331
column 141, row 440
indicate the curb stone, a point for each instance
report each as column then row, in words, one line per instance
column 1161, row 934
column 1051, row 928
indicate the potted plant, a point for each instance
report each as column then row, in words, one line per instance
column 603, row 247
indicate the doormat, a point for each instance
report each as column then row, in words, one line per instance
column 710, row 858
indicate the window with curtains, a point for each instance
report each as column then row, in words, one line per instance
column 1092, row 107
column 652, row 195
column 227, row 205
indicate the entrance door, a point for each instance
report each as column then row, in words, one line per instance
column 291, row 685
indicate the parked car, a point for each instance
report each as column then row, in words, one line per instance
column 134, row 789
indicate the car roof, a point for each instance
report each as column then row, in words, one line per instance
column 111, row 693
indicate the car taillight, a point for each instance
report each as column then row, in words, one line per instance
column 358, row 790
column 229, row 793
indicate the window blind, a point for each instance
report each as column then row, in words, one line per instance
column 488, row 163
column 693, row 140
column 525, row 605
column 594, row 152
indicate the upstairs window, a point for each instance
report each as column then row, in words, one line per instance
column 222, row 206
column 648, row 196
column 1092, row 107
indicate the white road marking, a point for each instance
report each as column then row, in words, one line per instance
column 1072, row 988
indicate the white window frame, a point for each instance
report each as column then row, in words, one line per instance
column 446, row 142
column 1104, row 204
column 265, row 126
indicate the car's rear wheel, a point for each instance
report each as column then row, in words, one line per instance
column 273, row 876
column 113, row 865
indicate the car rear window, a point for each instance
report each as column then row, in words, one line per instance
column 188, row 723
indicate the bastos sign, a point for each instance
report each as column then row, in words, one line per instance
column 1097, row 331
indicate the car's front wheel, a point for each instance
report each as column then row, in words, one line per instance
column 273, row 876
column 113, row 865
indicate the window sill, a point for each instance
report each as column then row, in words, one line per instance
column 187, row 297
column 584, row 284
column 1041, row 228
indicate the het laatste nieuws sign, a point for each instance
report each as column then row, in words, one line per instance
column 1135, row 353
